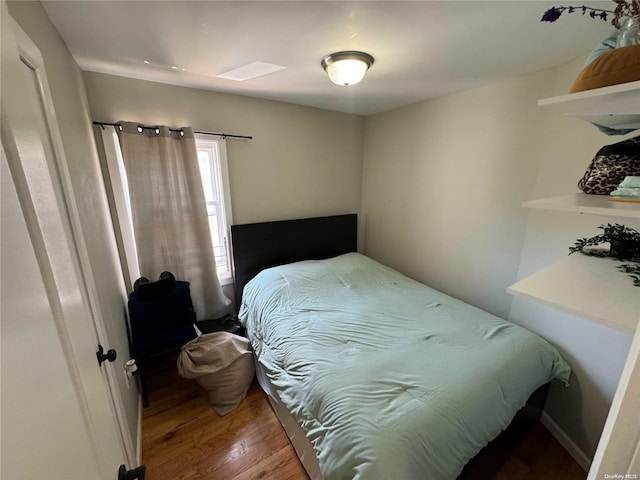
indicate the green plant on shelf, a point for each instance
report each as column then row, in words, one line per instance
column 624, row 244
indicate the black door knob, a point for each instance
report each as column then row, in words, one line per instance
column 133, row 474
column 109, row 356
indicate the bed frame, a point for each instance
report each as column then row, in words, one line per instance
column 257, row 246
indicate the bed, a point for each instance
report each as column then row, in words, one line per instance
column 374, row 375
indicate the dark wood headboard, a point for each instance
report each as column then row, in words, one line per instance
column 257, row 246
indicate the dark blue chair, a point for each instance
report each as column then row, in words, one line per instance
column 162, row 319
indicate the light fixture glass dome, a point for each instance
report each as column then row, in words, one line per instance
column 348, row 67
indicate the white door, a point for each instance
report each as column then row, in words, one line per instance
column 58, row 419
column 618, row 453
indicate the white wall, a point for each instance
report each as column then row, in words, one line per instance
column 302, row 161
column 443, row 183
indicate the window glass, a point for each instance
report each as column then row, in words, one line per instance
column 210, row 160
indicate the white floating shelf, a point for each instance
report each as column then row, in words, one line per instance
column 590, row 287
column 583, row 203
column 617, row 106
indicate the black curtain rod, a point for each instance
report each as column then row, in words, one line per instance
column 146, row 127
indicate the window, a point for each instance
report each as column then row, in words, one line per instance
column 213, row 170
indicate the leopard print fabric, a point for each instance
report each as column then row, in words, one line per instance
column 610, row 165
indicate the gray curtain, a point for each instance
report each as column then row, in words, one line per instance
column 169, row 214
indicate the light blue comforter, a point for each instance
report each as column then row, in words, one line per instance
column 389, row 378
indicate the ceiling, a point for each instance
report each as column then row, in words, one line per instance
column 422, row 49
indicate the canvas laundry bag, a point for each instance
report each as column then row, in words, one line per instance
column 221, row 363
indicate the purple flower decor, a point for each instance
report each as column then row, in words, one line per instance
column 624, row 8
column 554, row 13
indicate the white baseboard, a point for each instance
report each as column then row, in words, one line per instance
column 139, row 433
column 569, row 445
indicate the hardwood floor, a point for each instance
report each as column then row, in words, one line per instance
column 183, row 438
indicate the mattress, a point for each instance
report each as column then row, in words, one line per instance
column 386, row 377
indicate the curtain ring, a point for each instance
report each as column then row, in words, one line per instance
column 140, row 129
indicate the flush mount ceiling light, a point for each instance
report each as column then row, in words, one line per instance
column 348, row 67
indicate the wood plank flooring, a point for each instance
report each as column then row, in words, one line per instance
column 183, row 438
